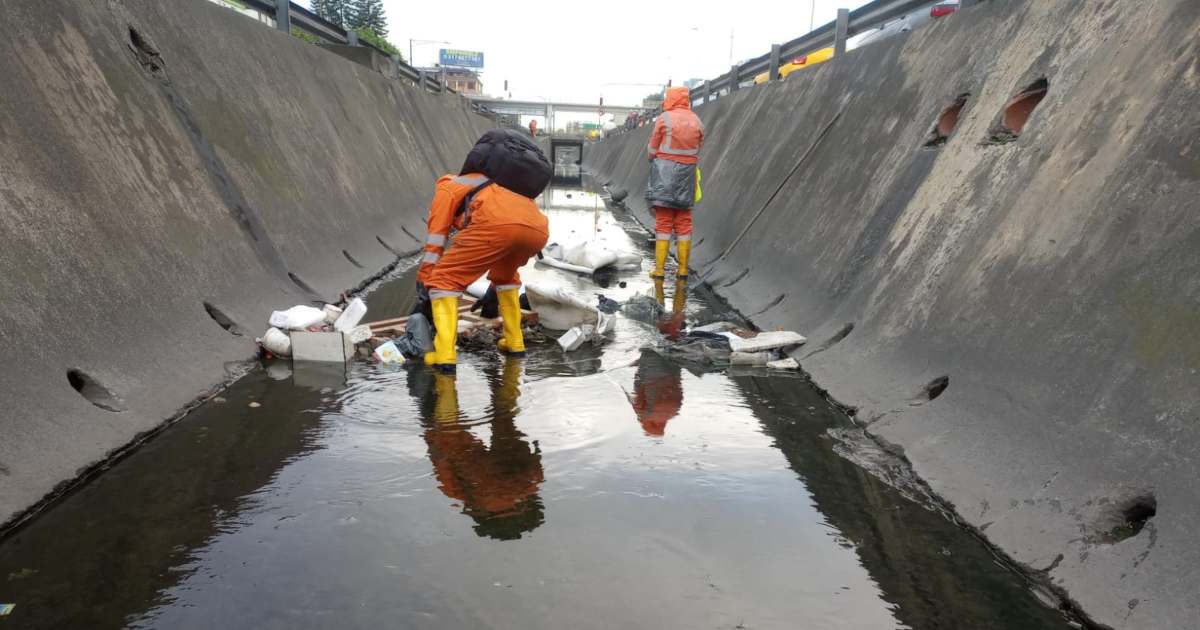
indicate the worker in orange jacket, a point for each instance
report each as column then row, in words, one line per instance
column 499, row 227
column 674, row 152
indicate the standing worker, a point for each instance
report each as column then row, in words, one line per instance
column 499, row 227
column 674, row 151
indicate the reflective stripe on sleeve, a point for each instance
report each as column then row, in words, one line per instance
column 439, row 293
column 430, row 258
column 437, row 240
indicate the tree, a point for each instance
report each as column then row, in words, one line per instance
column 335, row 11
column 366, row 14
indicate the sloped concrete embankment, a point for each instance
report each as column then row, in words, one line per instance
column 169, row 170
column 1021, row 318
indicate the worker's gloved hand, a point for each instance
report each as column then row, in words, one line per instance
column 489, row 305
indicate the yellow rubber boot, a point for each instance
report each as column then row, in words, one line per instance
column 445, row 342
column 683, row 250
column 661, row 247
column 513, row 342
column 445, row 406
column 660, row 295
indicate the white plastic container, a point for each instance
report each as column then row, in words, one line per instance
column 389, row 353
column 572, row 339
column 277, row 342
column 297, row 318
column 353, row 314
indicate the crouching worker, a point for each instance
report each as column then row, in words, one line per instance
column 674, row 151
column 498, row 228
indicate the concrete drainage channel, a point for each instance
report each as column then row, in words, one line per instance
column 93, row 390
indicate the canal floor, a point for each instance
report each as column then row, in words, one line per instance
column 611, row 487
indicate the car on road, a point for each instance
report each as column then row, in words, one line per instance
column 904, row 23
column 799, row 63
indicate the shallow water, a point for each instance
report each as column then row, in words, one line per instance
column 606, row 488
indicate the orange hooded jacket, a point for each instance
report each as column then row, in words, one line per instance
column 678, row 132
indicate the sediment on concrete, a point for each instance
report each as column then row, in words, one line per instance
column 995, row 252
column 170, row 172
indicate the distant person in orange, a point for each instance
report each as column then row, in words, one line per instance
column 674, row 151
column 499, row 227
column 496, row 481
column 533, row 127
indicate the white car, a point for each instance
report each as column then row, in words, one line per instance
column 904, row 23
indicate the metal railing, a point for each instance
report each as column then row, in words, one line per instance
column 289, row 14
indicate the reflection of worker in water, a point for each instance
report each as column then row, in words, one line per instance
column 674, row 151
column 496, row 481
column 490, row 203
column 657, row 387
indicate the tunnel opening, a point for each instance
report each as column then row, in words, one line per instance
column 946, row 122
column 352, row 260
column 223, row 320
column 146, row 52
column 93, row 392
column 1018, row 110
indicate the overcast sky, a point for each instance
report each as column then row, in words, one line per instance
column 578, row 51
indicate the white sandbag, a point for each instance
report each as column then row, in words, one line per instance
column 751, row 358
column 589, row 254
column 784, row 364
column 277, row 342
column 765, row 341
column 353, row 314
column 716, row 327
column 559, row 310
column 331, row 313
column 297, row 318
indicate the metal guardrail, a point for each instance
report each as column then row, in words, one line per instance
column 288, row 15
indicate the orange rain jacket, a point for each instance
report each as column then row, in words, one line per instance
column 447, row 198
column 678, row 132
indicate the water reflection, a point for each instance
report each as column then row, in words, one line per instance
column 657, row 387
column 496, row 481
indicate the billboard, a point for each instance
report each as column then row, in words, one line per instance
column 460, row 58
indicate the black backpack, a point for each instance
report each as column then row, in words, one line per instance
column 512, row 160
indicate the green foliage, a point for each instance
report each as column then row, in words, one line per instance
column 299, row 34
column 366, row 14
column 375, row 39
column 333, row 10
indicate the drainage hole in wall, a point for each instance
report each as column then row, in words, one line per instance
column 301, row 283
column 935, row 388
column 410, row 234
column 946, row 122
column 1017, row 112
column 145, row 51
column 93, row 391
column 387, row 246
column 224, row 320
column 351, row 259
column 1132, row 516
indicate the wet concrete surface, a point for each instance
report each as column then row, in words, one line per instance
column 606, row 488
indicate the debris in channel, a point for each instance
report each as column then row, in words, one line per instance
column 588, row 257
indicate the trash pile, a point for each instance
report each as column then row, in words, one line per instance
column 307, row 333
column 588, row 257
column 557, row 309
column 726, row 342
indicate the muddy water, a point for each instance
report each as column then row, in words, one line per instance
column 606, row 488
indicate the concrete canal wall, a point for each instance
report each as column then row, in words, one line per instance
column 1021, row 318
column 163, row 160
